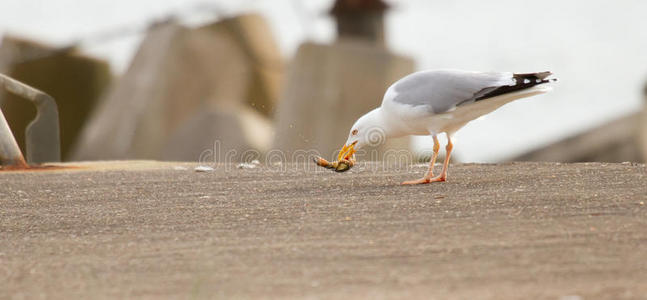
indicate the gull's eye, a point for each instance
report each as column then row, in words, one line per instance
column 354, row 132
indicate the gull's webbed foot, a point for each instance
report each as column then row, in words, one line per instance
column 417, row 181
column 424, row 180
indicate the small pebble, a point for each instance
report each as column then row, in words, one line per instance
column 203, row 169
column 246, row 166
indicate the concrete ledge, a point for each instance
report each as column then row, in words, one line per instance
column 162, row 230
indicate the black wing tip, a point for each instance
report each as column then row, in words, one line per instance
column 533, row 78
column 544, row 76
column 522, row 81
column 536, row 75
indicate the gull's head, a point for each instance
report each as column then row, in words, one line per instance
column 367, row 130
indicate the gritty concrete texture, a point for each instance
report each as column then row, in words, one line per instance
column 151, row 230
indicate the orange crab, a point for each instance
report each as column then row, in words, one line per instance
column 345, row 160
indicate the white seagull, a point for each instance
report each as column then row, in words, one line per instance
column 440, row 101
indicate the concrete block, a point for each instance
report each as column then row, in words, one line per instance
column 328, row 88
column 227, row 134
column 75, row 80
column 615, row 141
column 642, row 130
column 177, row 74
column 252, row 36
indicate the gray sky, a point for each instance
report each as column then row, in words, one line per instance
column 596, row 48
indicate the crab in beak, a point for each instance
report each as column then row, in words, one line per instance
column 347, row 152
column 344, row 162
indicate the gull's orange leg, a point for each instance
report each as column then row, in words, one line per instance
column 434, row 156
column 443, row 174
column 432, row 162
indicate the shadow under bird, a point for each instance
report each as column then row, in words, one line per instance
column 434, row 102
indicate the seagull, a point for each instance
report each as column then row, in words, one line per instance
column 439, row 101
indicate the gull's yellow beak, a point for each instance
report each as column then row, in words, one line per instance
column 347, row 151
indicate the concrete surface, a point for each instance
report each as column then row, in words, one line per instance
column 160, row 230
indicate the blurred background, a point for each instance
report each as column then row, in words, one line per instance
column 165, row 79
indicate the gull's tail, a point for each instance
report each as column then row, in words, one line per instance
column 522, row 82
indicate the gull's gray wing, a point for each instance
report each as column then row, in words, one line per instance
column 443, row 90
